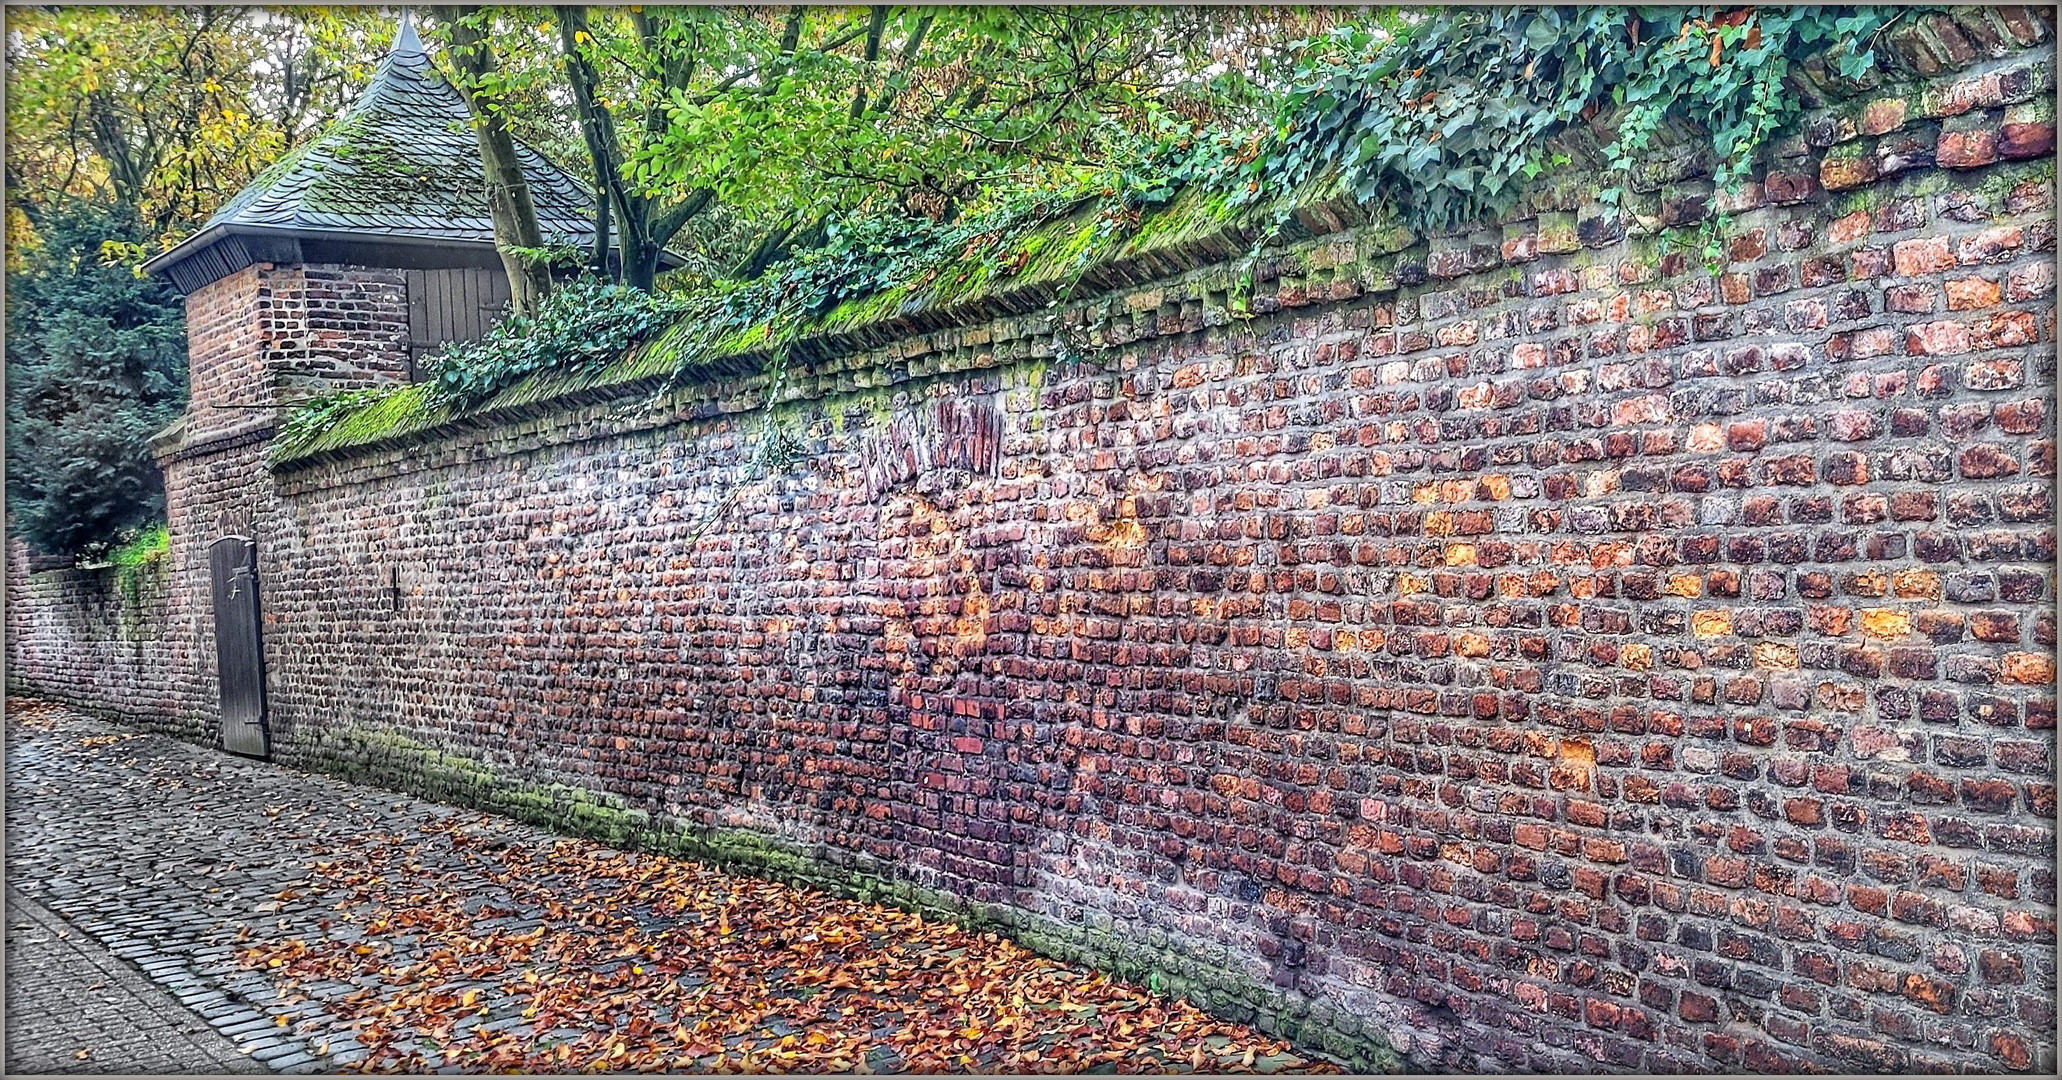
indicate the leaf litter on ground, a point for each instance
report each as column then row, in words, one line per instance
column 475, row 953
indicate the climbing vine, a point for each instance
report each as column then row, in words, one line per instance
column 1447, row 118
column 587, row 322
column 1442, row 118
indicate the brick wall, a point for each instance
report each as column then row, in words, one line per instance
column 353, row 330
column 225, row 331
column 1530, row 649
column 76, row 634
column 270, row 334
column 212, row 489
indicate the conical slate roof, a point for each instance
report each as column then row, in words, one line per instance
column 401, row 166
column 404, row 160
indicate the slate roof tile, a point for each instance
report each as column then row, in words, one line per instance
column 403, row 161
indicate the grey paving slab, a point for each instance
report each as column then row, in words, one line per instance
column 75, row 1007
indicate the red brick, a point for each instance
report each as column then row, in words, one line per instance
column 1966, row 149
column 2028, row 140
column 1922, row 255
column 1937, row 339
column 1990, row 245
column 1971, row 293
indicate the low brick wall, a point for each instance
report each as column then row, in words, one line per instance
column 78, row 635
column 1529, row 650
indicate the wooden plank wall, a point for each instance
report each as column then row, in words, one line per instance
column 451, row 305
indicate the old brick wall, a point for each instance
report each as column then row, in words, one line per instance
column 1581, row 658
column 271, row 334
column 225, row 333
column 213, row 489
column 1532, row 649
column 264, row 337
column 76, row 634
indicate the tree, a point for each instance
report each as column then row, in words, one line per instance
column 744, row 131
column 516, row 232
column 645, row 223
column 171, row 110
column 96, row 362
column 126, row 128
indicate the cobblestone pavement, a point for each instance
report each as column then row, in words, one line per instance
column 168, row 855
column 72, row 1007
column 321, row 926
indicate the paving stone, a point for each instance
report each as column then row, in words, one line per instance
column 75, row 1007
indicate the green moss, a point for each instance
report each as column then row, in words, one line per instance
column 1927, row 182
column 853, row 314
column 147, row 554
column 744, row 340
column 1998, row 181
column 1049, row 255
column 350, row 419
column 1868, row 197
column 1193, row 214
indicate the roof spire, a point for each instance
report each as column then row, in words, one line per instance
column 405, row 39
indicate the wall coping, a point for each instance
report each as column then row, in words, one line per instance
column 1839, row 149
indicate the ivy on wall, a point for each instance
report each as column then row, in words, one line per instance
column 1448, row 121
column 587, row 322
column 590, row 321
column 1441, row 119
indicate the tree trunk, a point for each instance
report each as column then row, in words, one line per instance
column 640, row 264
column 516, row 233
column 598, row 128
column 601, row 227
column 642, row 226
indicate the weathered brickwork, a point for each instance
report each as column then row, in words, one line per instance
column 79, row 635
column 269, row 335
column 1534, row 649
column 221, row 490
column 340, row 327
column 225, row 335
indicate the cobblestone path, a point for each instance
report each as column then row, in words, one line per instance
column 323, row 926
column 73, row 1007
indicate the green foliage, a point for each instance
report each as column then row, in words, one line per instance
column 589, row 321
column 147, row 552
column 857, row 260
column 1441, row 117
column 171, row 110
column 1448, row 116
column 736, row 134
column 939, row 109
column 315, row 416
column 96, row 363
column 1704, row 240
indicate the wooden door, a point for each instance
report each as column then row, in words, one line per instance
column 239, row 651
